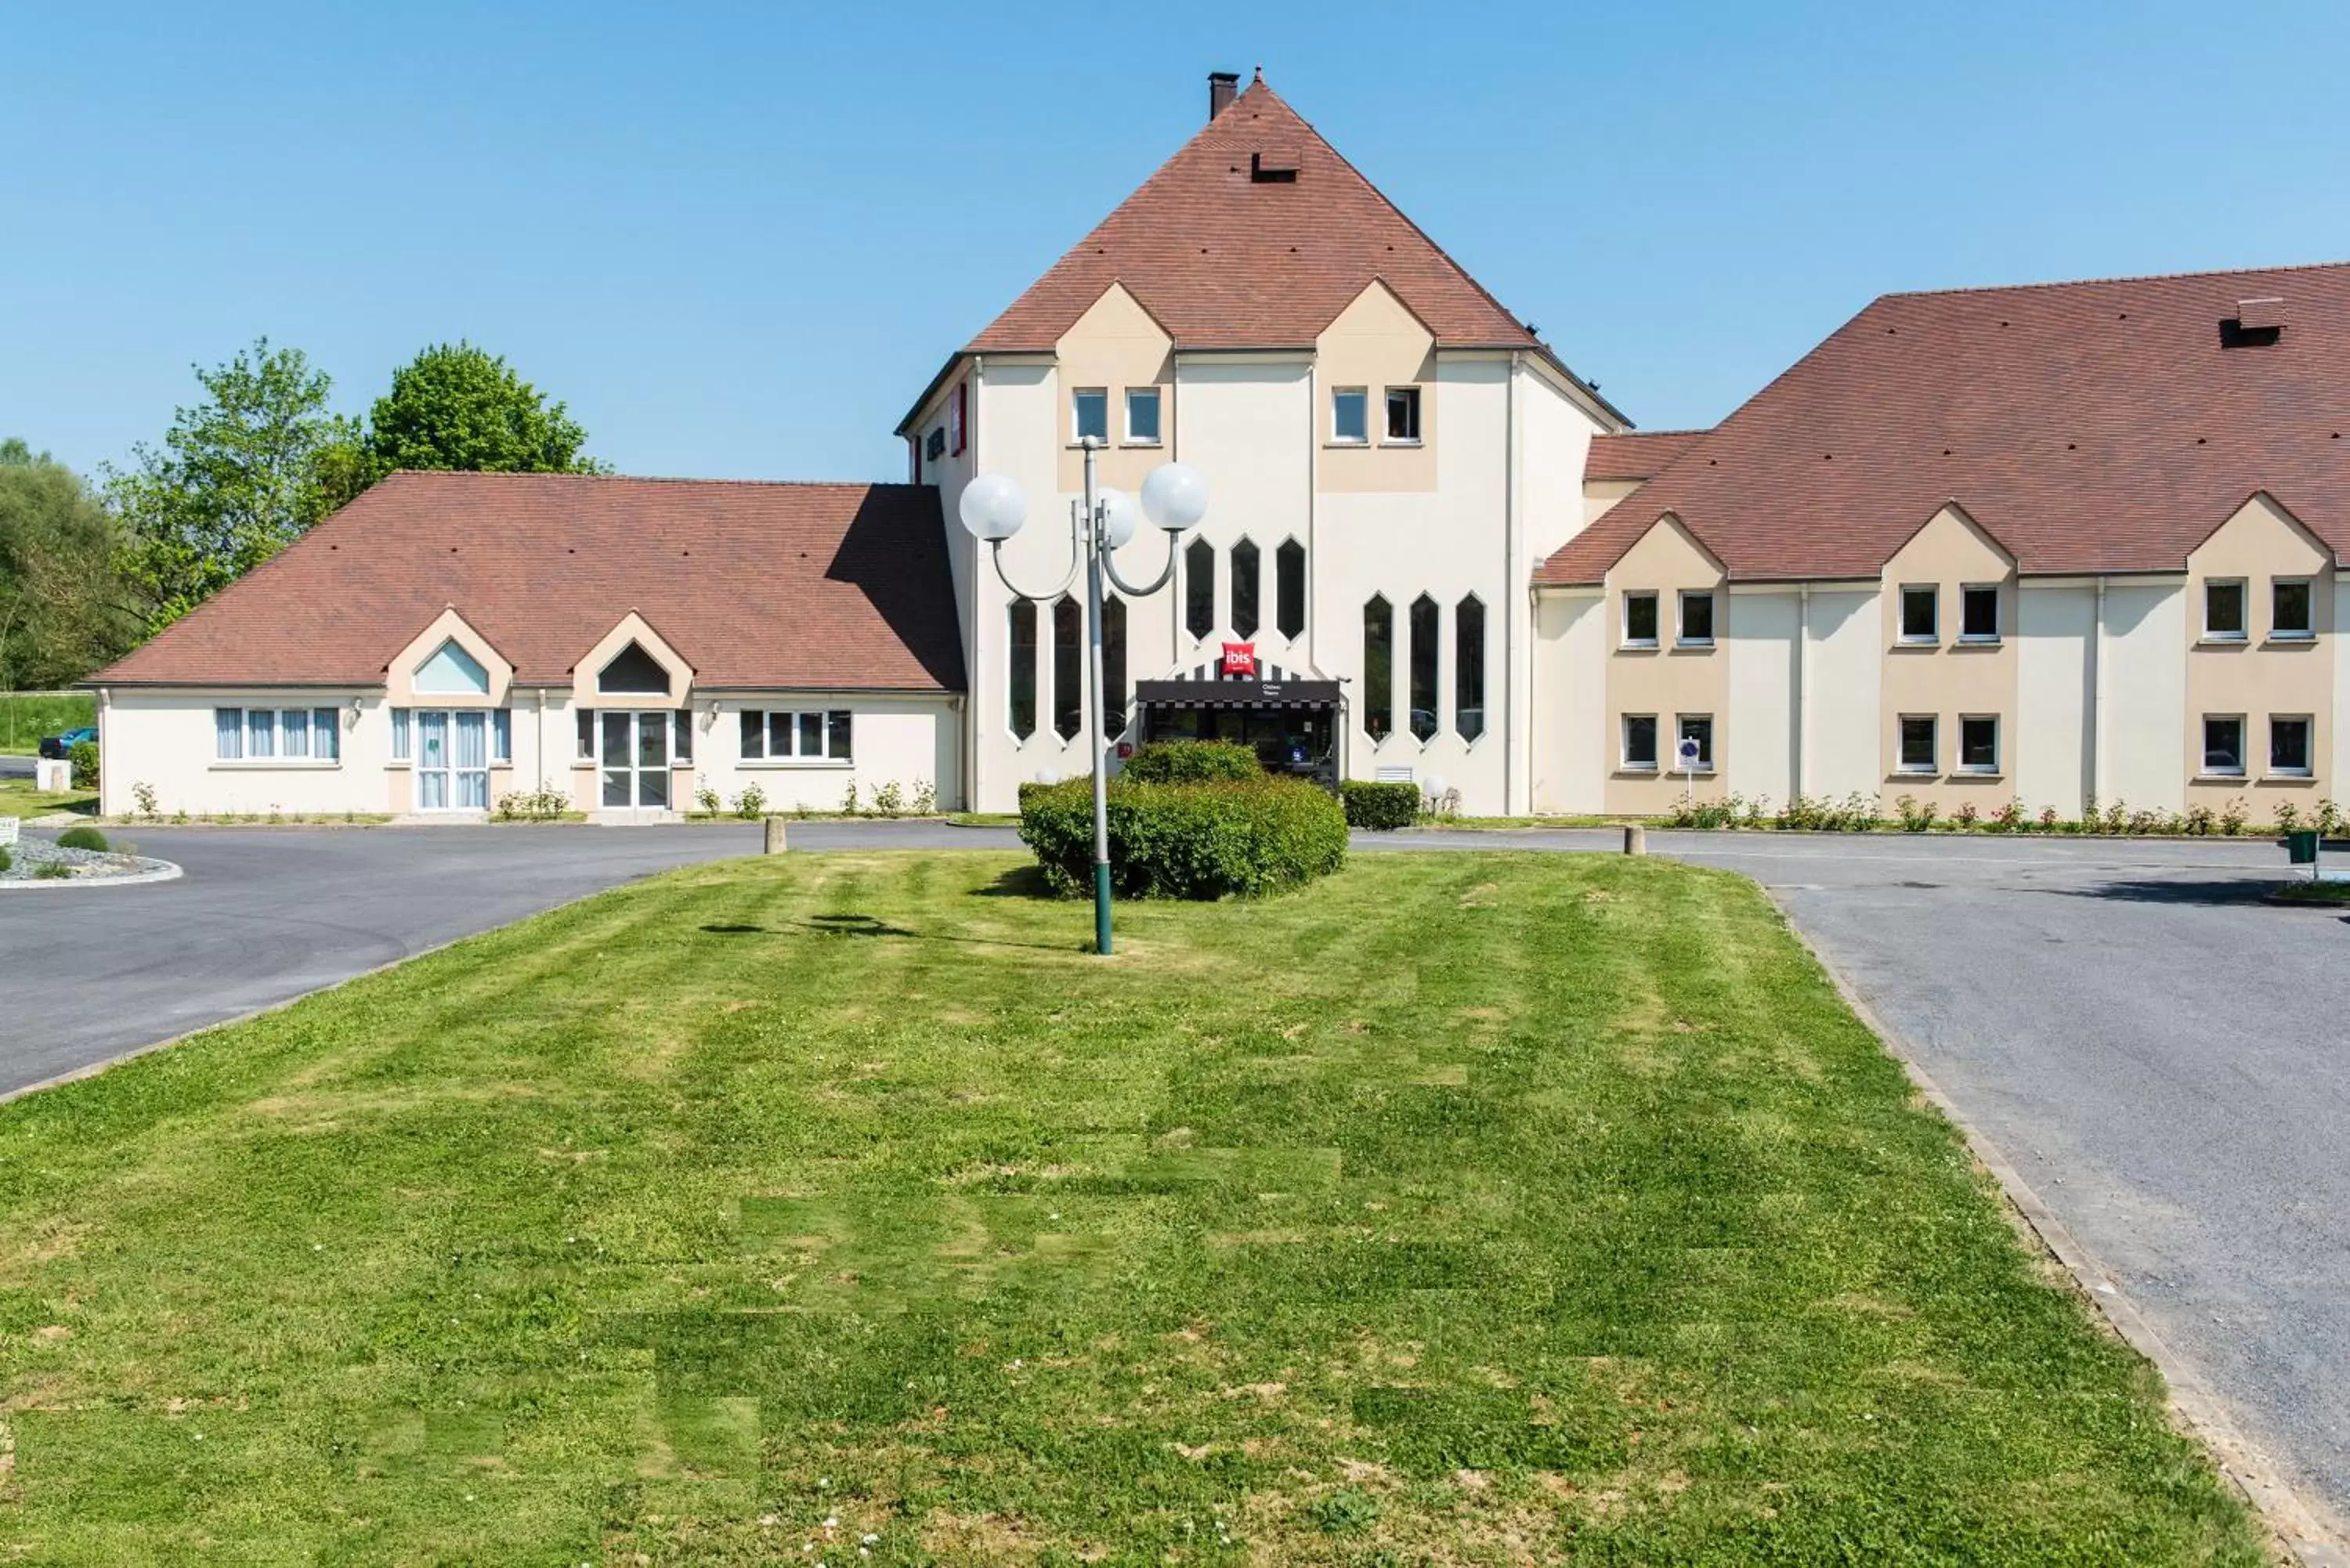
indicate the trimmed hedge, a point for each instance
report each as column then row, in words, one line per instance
column 1379, row 806
column 82, row 835
column 1187, row 841
column 1193, row 762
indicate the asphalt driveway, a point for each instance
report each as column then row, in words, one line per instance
column 2160, row 1057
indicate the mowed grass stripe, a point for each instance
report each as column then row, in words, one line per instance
column 1462, row 1207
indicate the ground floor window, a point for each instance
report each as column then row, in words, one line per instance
column 453, row 760
column 1469, row 667
column 1068, row 660
column 2223, row 744
column 1697, row 728
column 2289, row 747
column 1978, row 744
column 1020, row 689
column 305, row 734
column 1425, row 617
column 1641, row 743
column 795, row 734
column 501, row 733
column 1917, row 751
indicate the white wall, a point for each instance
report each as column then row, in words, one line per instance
column 1762, row 629
column 1846, row 659
column 2143, row 736
column 2055, row 698
column 1571, row 752
column 2341, row 679
column 904, row 741
column 167, row 742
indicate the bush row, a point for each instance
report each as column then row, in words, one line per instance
column 1193, row 762
column 1186, row 840
column 1381, row 807
column 1858, row 813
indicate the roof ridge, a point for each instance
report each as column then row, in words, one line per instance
column 661, row 479
column 2118, row 278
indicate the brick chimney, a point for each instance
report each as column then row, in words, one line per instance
column 1222, row 88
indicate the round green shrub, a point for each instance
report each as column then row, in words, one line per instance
column 1381, row 807
column 1193, row 762
column 82, row 836
column 83, row 762
column 1187, row 841
column 8, row 857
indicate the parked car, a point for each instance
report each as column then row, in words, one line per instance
column 63, row 745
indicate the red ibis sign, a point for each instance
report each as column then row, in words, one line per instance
column 1239, row 658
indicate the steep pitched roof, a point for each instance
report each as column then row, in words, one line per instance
column 1637, row 454
column 2091, row 427
column 1225, row 261
column 819, row 586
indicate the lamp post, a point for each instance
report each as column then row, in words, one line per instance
column 1174, row 497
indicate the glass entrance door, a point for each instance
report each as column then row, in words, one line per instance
column 452, row 761
column 635, row 760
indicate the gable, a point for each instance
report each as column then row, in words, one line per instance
column 1667, row 555
column 1949, row 547
column 2260, row 538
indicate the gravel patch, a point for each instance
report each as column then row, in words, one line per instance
column 29, row 857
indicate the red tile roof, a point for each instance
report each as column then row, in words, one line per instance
column 796, row 585
column 1637, row 454
column 2088, row 427
column 1224, row 261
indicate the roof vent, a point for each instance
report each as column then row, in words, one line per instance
column 1274, row 164
column 1222, row 88
column 2257, row 324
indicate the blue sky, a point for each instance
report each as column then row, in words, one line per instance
column 738, row 240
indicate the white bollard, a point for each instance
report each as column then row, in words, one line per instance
column 1636, row 838
column 775, row 835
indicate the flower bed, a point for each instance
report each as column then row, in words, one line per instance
column 1859, row 814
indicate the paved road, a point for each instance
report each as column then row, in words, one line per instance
column 2160, row 1058
column 13, row 766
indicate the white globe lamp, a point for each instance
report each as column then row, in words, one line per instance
column 1436, row 787
column 1120, row 516
column 992, row 508
column 1175, row 496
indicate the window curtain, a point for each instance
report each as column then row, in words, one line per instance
column 325, row 734
column 472, row 761
column 228, row 733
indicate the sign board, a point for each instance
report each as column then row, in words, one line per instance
column 1239, row 658
column 8, row 825
column 1689, row 750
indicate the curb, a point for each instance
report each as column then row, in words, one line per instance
column 155, row 871
column 2306, row 1529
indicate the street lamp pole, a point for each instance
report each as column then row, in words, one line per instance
column 1174, row 498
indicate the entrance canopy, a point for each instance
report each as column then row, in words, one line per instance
column 1236, row 693
column 1291, row 720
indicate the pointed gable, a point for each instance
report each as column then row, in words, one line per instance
column 1226, row 257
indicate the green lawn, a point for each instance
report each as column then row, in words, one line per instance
column 19, row 798
column 1463, row 1209
column 25, row 720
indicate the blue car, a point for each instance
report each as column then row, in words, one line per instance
column 63, row 745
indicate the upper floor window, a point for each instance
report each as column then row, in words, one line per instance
column 1697, row 618
column 1979, row 613
column 1142, row 415
column 2223, row 609
column 935, row 447
column 1247, row 577
column 1350, row 415
column 959, row 416
column 1640, row 619
column 454, row 670
column 1403, row 414
column 1199, row 588
column 1089, row 414
column 1425, row 617
column 2289, row 603
column 1922, row 613
column 633, row 672
column 1289, row 588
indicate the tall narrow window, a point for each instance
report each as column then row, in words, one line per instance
column 1199, row 588
column 1021, row 693
column 1289, row 588
column 1425, row 617
column 1469, row 667
column 1246, row 578
column 1378, row 668
column 1113, row 691
column 1069, row 666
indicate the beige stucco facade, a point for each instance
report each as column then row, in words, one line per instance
column 2270, row 673
column 1949, row 676
column 1670, row 677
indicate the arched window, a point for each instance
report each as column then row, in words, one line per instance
column 1378, row 668
column 1469, row 667
column 1113, row 696
column 1246, row 578
column 1021, row 693
column 1425, row 617
column 1199, row 588
column 1069, row 666
column 1289, row 588
column 633, row 672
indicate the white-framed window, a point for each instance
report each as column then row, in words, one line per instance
column 1350, row 415
column 1697, row 618
column 2223, row 745
column 1640, row 617
column 1142, row 415
column 262, row 734
column 1921, row 612
column 400, row 731
column 1089, row 414
column 1919, row 748
column 796, row 735
column 2289, row 745
column 1979, row 613
column 2223, row 609
column 1403, row 415
column 1641, row 743
column 1978, row 744
column 2289, row 610
column 1696, row 727
column 501, row 736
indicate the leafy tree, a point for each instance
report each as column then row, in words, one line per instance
column 63, row 610
column 237, row 480
column 459, row 407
